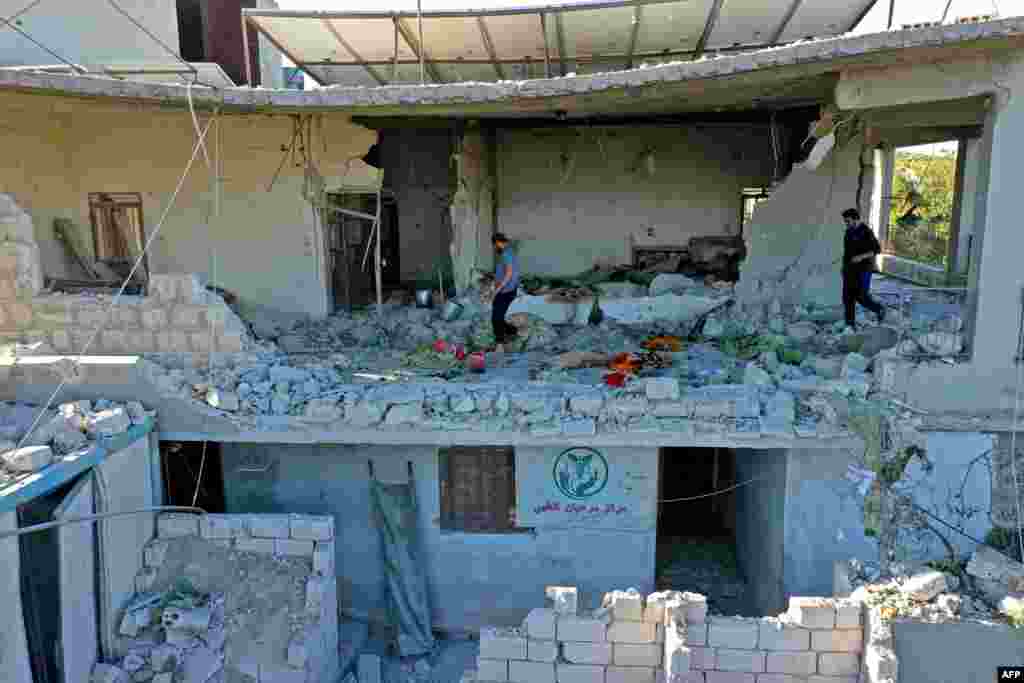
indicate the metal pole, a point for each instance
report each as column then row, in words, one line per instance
column 394, row 64
column 105, row 515
column 892, row 11
column 423, row 49
column 245, row 48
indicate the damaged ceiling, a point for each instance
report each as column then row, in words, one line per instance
column 519, row 43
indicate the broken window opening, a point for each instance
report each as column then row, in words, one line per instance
column 478, row 489
column 117, row 230
column 922, row 203
column 188, row 467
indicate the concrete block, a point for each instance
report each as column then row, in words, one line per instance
column 221, row 526
column 323, row 558
column 849, row 614
column 492, row 670
column 796, row 663
column 924, row 586
column 298, row 654
column 846, row 640
column 582, row 630
column 268, row 526
column 654, row 606
column 662, row 389
column 774, row 634
column 831, row 679
column 818, row 613
column 696, row 608
column 579, row 673
column 733, row 632
column 187, row 316
column 531, row 672
column 632, row 632
column 880, row 664
column 172, row 341
column 369, row 669
column 502, row 644
column 155, row 552
column 164, row 658
column 750, row 661
column 27, row 458
column 153, row 319
column 625, row 605
column 702, row 658
column 316, row 589
column 163, row 678
column 108, row 673
column 540, row 624
column 145, row 579
column 281, row 675
column 838, row 664
column 587, row 653
column 697, row 635
column 729, row 677
column 293, row 548
column 625, row 654
column 785, row 678
column 264, row 546
column 312, row 527
column 564, row 599
column 541, row 650
column 630, row 674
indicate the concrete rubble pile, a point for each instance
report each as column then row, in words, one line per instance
column 670, row 636
column 73, row 428
column 232, row 597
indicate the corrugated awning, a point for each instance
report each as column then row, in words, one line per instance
column 519, row 43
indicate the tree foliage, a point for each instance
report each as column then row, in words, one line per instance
column 922, row 206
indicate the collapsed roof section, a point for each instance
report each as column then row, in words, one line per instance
column 769, row 79
column 519, row 43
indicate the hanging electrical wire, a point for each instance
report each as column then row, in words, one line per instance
column 159, row 42
column 1019, row 361
column 25, row 34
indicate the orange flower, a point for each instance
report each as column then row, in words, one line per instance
column 665, row 342
column 625, row 363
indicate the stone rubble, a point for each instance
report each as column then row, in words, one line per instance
column 72, row 428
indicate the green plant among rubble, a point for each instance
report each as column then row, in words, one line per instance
column 183, row 596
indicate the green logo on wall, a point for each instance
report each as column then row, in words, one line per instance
column 580, row 473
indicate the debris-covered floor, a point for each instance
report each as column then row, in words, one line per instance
column 705, row 565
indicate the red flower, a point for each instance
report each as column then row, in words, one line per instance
column 440, row 346
column 615, row 379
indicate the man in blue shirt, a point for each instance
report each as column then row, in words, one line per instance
column 506, row 272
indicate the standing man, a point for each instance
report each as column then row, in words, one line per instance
column 860, row 247
column 506, row 273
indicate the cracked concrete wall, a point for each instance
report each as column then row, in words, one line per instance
column 577, row 197
column 266, row 245
column 476, row 579
column 472, row 210
column 418, row 170
column 81, row 32
column 795, row 239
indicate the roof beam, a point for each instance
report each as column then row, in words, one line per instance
column 709, row 26
column 352, row 51
column 485, row 34
column 638, row 15
column 415, row 46
column 786, row 18
column 560, row 38
column 276, row 43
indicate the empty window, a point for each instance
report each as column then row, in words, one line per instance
column 478, row 489
column 116, row 226
column 751, row 198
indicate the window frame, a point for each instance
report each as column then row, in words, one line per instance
column 448, row 511
column 106, row 201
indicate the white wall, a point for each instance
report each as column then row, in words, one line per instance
column 265, row 246
column 578, row 196
column 90, row 32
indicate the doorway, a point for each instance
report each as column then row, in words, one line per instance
column 696, row 546
column 349, row 239
column 193, row 474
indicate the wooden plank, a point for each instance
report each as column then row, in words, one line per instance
column 352, row 51
column 485, row 35
column 709, row 27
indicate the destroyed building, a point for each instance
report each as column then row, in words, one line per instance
column 678, row 227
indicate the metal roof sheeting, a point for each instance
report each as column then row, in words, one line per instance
column 520, row 43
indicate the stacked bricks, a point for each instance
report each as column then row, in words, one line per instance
column 312, row 652
column 669, row 638
column 176, row 317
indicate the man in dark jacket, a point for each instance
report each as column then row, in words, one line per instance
column 860, row 247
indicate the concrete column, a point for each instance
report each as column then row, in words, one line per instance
column 14, row 663
column 885, row 164
column 970, row 153
column 953, row 248
column 472, row 208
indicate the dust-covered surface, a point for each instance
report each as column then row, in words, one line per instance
column 257, row 604
column 707, row 566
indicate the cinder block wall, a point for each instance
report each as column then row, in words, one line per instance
column 669, row 637
column 179, row 315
